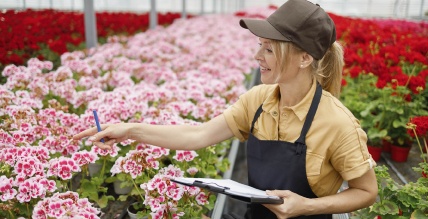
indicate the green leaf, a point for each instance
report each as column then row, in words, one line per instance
column 364, row 213
column 103, row 201
column 418, row 214
column 111, row 179
column 385, row 207
column 122, row 198
column 211, row 170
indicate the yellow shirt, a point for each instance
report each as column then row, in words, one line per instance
column 336, row 144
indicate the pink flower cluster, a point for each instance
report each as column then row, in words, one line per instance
column 137, row 161
column 65, row 205
column 23, row 190
column 162, row 195
column 185, row 156
column 34, row 188
column 63, row 168
column 29, row 181
column 84, row 157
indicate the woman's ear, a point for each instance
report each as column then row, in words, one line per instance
column 306, row 60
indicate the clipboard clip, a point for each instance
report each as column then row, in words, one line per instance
column 211, row 186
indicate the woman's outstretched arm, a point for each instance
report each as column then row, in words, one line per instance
column 176, row 137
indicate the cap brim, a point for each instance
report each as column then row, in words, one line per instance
column 263, row 29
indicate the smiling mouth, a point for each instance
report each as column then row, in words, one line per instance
column 264, row 69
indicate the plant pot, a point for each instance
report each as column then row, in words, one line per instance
column 386, row 146
column 375, row 152
column 121, row 190
column 399, row 154
column 132, row 211
column 94, row 169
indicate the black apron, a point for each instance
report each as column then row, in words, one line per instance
column 280, row 165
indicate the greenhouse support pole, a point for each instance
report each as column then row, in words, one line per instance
column 421, row 12
column 214, row 6
column 50, row 4
column 90, row 24
column 24, row 4
column 183, row 12
column 153, row 15
column 369, row 8
column 202, row 6
column 407, row 8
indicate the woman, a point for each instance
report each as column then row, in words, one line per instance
column 302, row 142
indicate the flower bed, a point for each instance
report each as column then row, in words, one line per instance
column 46, row 34
column 173, row 75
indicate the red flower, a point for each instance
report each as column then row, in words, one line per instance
column 355, row 71
column 344, row 83
column 421, row 123
column 25, row 33
column 416, row 83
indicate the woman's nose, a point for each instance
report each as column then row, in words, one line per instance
column 258, row 55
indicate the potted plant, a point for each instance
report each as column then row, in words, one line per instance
column 393, row 108
column 138, row 210
column 149, row 168
column 397, row 201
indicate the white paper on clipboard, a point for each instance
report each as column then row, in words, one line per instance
column 231, row 188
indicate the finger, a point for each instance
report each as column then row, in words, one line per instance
column 86, row 133
column 89, row 132
column 101, row 135
column 105, row 146
column 110, row 142
column 280, row 193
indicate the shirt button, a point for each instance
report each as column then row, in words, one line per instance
column 274, row 113
column 283, row 114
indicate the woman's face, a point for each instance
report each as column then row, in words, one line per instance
column 267, row 62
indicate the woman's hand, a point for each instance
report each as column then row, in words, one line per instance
column 111, row 133
column 293, row 204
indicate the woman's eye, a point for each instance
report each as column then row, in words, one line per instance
column 265, row 47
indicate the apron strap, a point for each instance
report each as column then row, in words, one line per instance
column 310, row 116
column 256, row 116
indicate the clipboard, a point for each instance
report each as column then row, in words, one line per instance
column 231, row 188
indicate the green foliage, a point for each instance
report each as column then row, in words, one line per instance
column 383, row 112
column 359, row 96
column 395, row 200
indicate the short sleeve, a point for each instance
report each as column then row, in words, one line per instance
column 239, row 115
column 237, row 119
column 351, row 158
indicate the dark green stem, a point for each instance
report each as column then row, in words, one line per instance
column 28, row 211
column 103, row 168
column 11, row 214
column 138, row 190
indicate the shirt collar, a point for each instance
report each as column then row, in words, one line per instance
column 301, row 109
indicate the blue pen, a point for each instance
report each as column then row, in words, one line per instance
column 98, row 123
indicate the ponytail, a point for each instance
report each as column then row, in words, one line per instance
column 329, row 69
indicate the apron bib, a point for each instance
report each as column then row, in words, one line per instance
column 280, row 165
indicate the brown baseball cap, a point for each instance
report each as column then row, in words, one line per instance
column 298, row 21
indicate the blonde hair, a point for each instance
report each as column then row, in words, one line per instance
column 327, row 71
